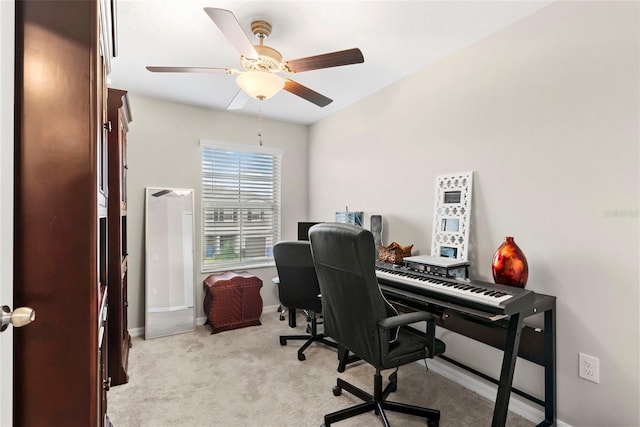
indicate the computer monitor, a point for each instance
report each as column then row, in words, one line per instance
column 303, row 229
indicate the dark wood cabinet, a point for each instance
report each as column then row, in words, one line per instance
column 119, row 116
column 60, row 212
column 232, row 300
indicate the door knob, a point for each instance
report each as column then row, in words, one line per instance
column 19, row 317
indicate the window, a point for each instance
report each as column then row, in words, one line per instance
column 240, row 205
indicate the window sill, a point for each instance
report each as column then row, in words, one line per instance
column 222, row 269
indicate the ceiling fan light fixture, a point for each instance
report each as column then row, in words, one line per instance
column 260, row 84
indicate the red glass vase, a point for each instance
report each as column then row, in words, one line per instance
column 510, row 265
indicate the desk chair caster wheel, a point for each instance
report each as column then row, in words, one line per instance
column 337, row 390
column 301, row 357
column 432, row 423
column 283, row 341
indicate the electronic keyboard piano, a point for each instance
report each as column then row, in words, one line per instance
column 489, row 313
column 484, row 296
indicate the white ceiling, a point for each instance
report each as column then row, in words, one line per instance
column 396, row 38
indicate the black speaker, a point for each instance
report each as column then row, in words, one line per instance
column 376, row 229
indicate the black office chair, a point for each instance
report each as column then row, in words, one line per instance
column 298, row 289
column 359, row 318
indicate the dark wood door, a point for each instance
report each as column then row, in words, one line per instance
column 58, row 240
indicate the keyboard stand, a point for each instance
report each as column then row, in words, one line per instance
column 505, row 333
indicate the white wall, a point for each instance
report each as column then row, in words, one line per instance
column 545, row 113
column 164, row 151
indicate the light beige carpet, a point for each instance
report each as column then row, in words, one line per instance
column 244, row 377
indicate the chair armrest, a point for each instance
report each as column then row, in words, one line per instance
column 414, row 317
column 404, row 319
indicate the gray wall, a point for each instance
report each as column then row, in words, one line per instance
column 164, row 151
column 545, row 112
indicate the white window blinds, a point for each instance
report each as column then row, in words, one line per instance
column 240, row 205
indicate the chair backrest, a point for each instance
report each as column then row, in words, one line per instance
column 298, row 287
column 344, row 256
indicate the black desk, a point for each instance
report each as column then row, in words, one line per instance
column 508, row 334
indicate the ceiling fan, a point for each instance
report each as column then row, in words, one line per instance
column 261, row 63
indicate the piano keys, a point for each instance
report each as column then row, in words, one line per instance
column 484, row 296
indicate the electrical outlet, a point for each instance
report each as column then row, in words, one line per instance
column 589, row 367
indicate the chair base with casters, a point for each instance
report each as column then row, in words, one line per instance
column 378, row 403
column 313, row 336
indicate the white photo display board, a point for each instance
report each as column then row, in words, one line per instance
column 451, row 217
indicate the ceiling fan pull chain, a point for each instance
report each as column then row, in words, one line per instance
column 260, row 121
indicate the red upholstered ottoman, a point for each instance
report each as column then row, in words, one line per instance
column 232, row 300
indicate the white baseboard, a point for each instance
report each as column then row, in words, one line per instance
column 139, row 332
column 270, row 309
column 518, row 405
column 136, row 332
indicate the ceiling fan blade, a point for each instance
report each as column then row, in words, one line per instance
column 187, row 69
column 327, row 60
column 230, row 27
column 306, row 93
column 239, row 100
